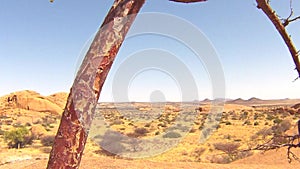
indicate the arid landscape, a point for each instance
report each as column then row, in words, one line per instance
column 29, row 122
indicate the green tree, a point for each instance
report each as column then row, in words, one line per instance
column 18, row 138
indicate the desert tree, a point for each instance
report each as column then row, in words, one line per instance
column 79, row 111
column 231, row 149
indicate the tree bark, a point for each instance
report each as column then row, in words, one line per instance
column 79, row 111
column 267, row 9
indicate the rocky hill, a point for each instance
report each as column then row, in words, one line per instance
column 33, row 101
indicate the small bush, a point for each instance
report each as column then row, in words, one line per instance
column 141, row 131
column 255, row 117
column 47, row 140
column 270, row 117
column 285, row 125
column 193, row 130
column 147, row 125
column 229, row 148
column 265, row 132
column 244, row 115
column 117, row 122
column 282, row 127
column 247, row 122
column 256, row 123
column 172, row 134
column 277, row 121
column 227, row 123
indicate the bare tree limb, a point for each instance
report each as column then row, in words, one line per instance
column 72, row 134
column 288, row 141
column 288, row 20
column 294, row 19
column 267, row 9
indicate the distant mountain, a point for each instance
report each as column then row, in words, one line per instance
column 237, row 101
column 206, row 100
column 254, row 99
column 259, row 102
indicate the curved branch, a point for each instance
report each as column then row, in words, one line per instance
column 267, row 9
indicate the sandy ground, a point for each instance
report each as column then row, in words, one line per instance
column 268, row 160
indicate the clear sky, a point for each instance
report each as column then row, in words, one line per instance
column 41, row 44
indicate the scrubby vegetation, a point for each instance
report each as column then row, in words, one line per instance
column 48, row 140
column 239, row 129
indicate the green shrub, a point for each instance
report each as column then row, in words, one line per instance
column 172, row 134
column 270, row 117
column 47, row 140
column 277, row 121
column 256, row 123
column 18, row 138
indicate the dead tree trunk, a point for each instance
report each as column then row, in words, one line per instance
column 77, row 116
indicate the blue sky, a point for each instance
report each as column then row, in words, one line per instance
column 41, row 42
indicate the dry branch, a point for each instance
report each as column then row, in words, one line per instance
column 267, row 9
column 79, row 111
column 288, row 20
column 290, row 142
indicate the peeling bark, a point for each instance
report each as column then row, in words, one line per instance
column 267, row 9
column 79, row 111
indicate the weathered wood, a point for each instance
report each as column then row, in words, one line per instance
column 79, row 111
